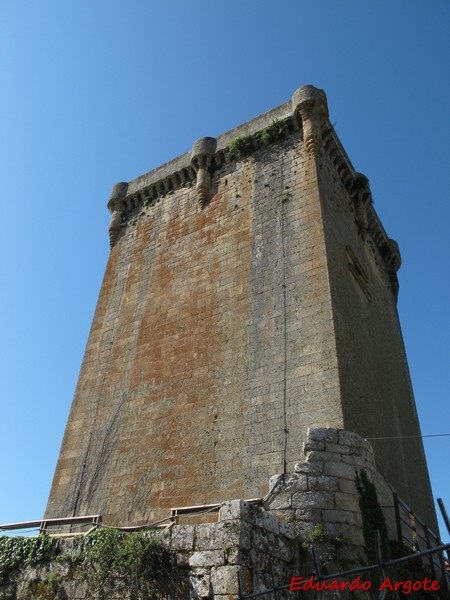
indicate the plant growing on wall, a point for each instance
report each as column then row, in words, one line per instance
column 275, row 130
column 17, row 552
column 236, row 148
column 112, row 563
column 372, row 517
column 136, row 563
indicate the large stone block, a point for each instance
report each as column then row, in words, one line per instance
column 313, row 515
column 321, row 434
column 236, row 509
column 313, row 500
column 338, row 516
column 267, row 522
column 215, row 536
column 340, row 470
column 281, row 501
column 345, row 501
column 324, row 483
column 225, row 579
column 182, row 537
column 207, row 558
column 200, row 580
column 314, row 468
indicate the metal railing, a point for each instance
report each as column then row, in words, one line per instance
column 44, row 525
column 411, row 530
column 380, row 566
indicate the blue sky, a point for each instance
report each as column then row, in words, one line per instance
column 100, row 91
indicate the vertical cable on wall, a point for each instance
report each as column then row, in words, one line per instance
column 282, row 200
column 102, row 386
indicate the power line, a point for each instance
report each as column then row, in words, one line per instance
column 408, row 437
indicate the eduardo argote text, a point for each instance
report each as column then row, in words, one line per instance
column 300, row 584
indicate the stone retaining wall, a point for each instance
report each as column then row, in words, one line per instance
column 316, row 505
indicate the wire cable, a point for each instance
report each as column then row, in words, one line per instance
column 408, row 437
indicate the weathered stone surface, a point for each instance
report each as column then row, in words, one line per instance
column 295, row 482
column 357, row 461
column 309, row 514
column 267, row 521
column 313, row 500
column 347, row 486
column 282, row 551
column 322, row 434
column 275, row 481
column 286, row 530
column 345, row 501
column 337, row 448
column 304, row 529
column 183, row 537
column 323, row 457
column 310, row 445
column 351, row 534
column 341, row 470
column 324, row 483
column 338, row 516
column 349, row 438
column 225, row 579
column 200, row 580
column 215, row 536
column 227, row 328
column 284, row 515
column 236, row 509
column 314, row 468
column 207, row 558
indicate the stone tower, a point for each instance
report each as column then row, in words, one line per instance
column 250, row 294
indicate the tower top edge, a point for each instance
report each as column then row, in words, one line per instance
column 244, row 130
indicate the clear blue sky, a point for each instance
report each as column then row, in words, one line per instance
column 100, row 91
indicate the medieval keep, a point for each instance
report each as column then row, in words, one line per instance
column 246, row 340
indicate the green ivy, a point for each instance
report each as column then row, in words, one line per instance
column 372, row 517
column 17, row 552
column 237, row 147
column 274, row 131
column 114, row 561
column 43, row 589
column 132, row 565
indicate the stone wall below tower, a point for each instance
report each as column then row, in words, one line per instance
column 317, row 505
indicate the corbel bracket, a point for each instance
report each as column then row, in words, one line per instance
column 202, row 154
column 116, row 205
column 309, row 105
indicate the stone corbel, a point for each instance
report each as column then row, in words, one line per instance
column 394, row 258
column 202, row 153
column 362, row 198
column 394, row 262
column 309, row 105
column 115, row 206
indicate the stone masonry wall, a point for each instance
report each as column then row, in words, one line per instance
column 211, row 555
column 322, row 491
column 249, row 295
column 211, row 347
column 377, row 396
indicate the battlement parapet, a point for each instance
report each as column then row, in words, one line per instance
column 307, row 113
